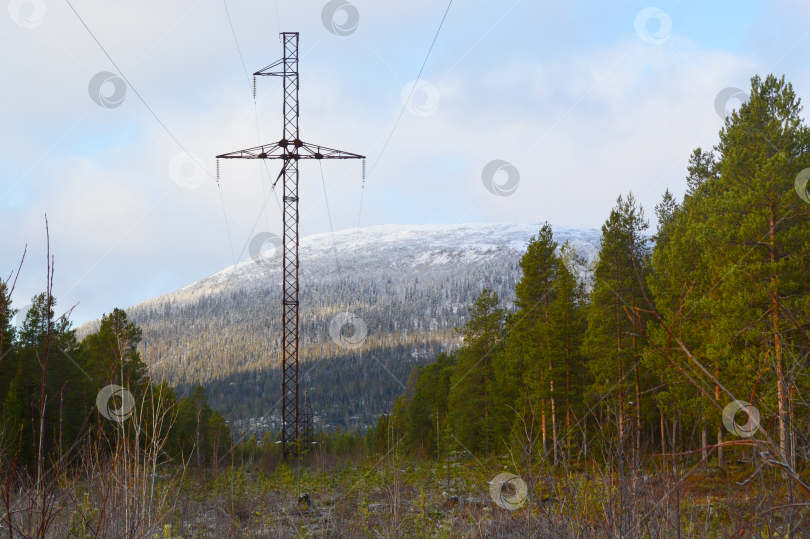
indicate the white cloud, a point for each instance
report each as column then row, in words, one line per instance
column 611, row 114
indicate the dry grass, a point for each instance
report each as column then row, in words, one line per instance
column 402, row 498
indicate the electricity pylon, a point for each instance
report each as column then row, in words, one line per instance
column 289, row 149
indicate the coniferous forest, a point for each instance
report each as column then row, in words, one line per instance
column 661, row 392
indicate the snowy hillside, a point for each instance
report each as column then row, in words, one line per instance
column 410, row 285
column 399, row 252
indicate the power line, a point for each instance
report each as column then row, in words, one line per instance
column 222, row 202
column 219, row 188
column 357, row 235
column 412, row 89
column 404, row 106
column 329, row 213
column 228, row 13
column 129, row 83
column 255, row 108
column 224, row 216
column 278, row 28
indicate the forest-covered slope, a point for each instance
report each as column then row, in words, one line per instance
column 411, row 285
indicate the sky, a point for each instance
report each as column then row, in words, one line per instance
column 575, row 102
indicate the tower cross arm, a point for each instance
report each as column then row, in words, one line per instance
column 270, row 71
column 290, row 149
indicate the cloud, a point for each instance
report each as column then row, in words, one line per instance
column 570, row 95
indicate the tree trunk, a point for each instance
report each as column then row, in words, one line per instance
column 721, row 460
column 585, row 437
column 674, row 439
column 40, row 457
column 553, row 412
column 545, row 434
column 780, row 388
column 620, row 374
column 486, row 403
column 438, row 447
column 621, row 417
column 777, row 338
column 637, row 448
column 568, row 429
column 553, row 424
column 197, row 448
column 792, row 405
column 567, row 398
column 704, row 444
column 663, row 437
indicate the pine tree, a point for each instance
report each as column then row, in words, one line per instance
column 473, row 379
column 757, row 236
column 220, row 439
column 611, row 342
column 679, row 280
column 731, row 280
column 525, row 369
column 702, row 168
column 193, row 420
column 13, row 417
column 7, row 329
column 57, row 389
column 427, row 408
column 665, row 212
column 8, row 356
column 113, row 350
column 566, row 329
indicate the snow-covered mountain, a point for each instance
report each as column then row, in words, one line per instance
column 398, row 252
column 410, row 285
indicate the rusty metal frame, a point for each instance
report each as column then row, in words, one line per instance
column 289, row 149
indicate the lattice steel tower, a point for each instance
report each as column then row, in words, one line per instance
column 289, row 149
